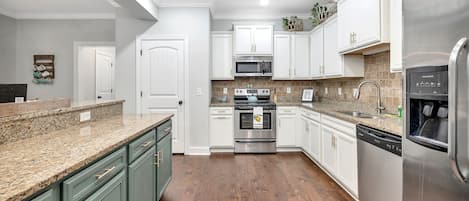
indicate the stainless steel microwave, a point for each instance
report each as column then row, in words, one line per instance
column 252, row 66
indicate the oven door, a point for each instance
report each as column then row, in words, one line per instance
column 244, row 128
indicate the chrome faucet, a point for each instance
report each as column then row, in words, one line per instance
column 356, row 95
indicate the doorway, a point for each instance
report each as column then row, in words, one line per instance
column 162, row 81
column 94, row 71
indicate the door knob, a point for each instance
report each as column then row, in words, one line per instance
column 180, row 102
column 99, row 97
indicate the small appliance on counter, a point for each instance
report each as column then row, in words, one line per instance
column 255, row 121
column 308, row 95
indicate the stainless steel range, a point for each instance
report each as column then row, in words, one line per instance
column 255, row 117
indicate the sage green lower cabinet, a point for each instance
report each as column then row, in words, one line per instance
column 114, row 190
column 52, row 194
column 142, row 177
column 164, row 164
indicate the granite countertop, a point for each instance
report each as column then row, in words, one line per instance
column 385, row 123
column 30, row 165
column 75, row 106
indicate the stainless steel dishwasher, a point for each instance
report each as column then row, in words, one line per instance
column 379, row 165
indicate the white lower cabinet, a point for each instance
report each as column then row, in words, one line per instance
column 286, row 126
column 347, row 167
column 329, row 151
column 221, row 127
column 305, row 134
column 315, row 140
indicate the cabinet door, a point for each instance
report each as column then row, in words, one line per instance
column 346, row 19
column 286, row 130
column 243, row 39
column 222, row 57
column 114, row 190
column 315, row 140
column 221, row 131
column 305, row 136
column 347, row 169
column 263, row 40
column 282, row 57
column 142, row 177
column 52, row 194
column 396, row 35
column 300, row 56
column 332, row 58
column 317, row 52
column 164, row 165
column 329, row 152
column 368, row 25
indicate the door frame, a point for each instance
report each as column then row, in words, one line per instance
column 138, row 47
column 76, row 47
column 113, row 78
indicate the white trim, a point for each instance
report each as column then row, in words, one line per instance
column 76, row 46
column 185, row 5
column 289, row 149
column 7, row 13
column 202, row 151
column 217, row 16
column 59, row 16
column 138, row 47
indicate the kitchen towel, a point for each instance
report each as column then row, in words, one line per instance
column 257, row 114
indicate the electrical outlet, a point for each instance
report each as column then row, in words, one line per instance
column 288, row 90
column 355, row 92
column 199, row 92
column 225, row 91
column 326, row 91
column 85, row 116
column 339, row 91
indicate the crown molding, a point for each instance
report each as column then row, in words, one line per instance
column 56, row 16
column 257, row 17
column 185, row 5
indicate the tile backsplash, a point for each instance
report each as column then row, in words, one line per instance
column 376, row 68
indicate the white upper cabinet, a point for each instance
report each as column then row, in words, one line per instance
column 291, row 56
column 253, row 40
column 317, row 52
column 396, row 36
column 300, row 56
column 362, row 24
column 282, row 57
column 326, row 61
column 222, row 56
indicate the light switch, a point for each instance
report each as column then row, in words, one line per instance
column 339, row 91
column 288, row 90
column 85, row 116
column 355, row 92
column 199, row 92
column 225, row 91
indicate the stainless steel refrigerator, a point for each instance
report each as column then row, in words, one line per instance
column 436, row 98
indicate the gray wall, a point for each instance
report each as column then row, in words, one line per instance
column 227, row 24
column 192, row 22
column 7, row 49
column 55, row 37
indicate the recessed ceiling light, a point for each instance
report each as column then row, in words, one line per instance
column 114, row 3
column 264, row 2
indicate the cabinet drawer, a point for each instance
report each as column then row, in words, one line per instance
column 311, row 115
column 84, row 183
column 339, row 125
column 52, row 194
column 142, row 144
column 163, row 130
column 114, row 190
column 221, row 110
column 286, row 110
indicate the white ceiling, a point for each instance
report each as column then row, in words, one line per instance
column 101, row 9
column 56, row 9
column 247, row 9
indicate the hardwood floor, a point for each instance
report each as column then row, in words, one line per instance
column 245, row 177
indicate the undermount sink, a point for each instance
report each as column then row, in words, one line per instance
column 360, row 114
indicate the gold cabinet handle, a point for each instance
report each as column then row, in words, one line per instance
column 146, row 144
column 106, row 172
column 157, row 163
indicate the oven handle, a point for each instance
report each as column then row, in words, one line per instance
column 255, row 140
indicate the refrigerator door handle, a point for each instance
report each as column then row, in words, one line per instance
column 452, row 102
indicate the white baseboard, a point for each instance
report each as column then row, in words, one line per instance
column 203, row 151
column 289, row 149
column 222, row 150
